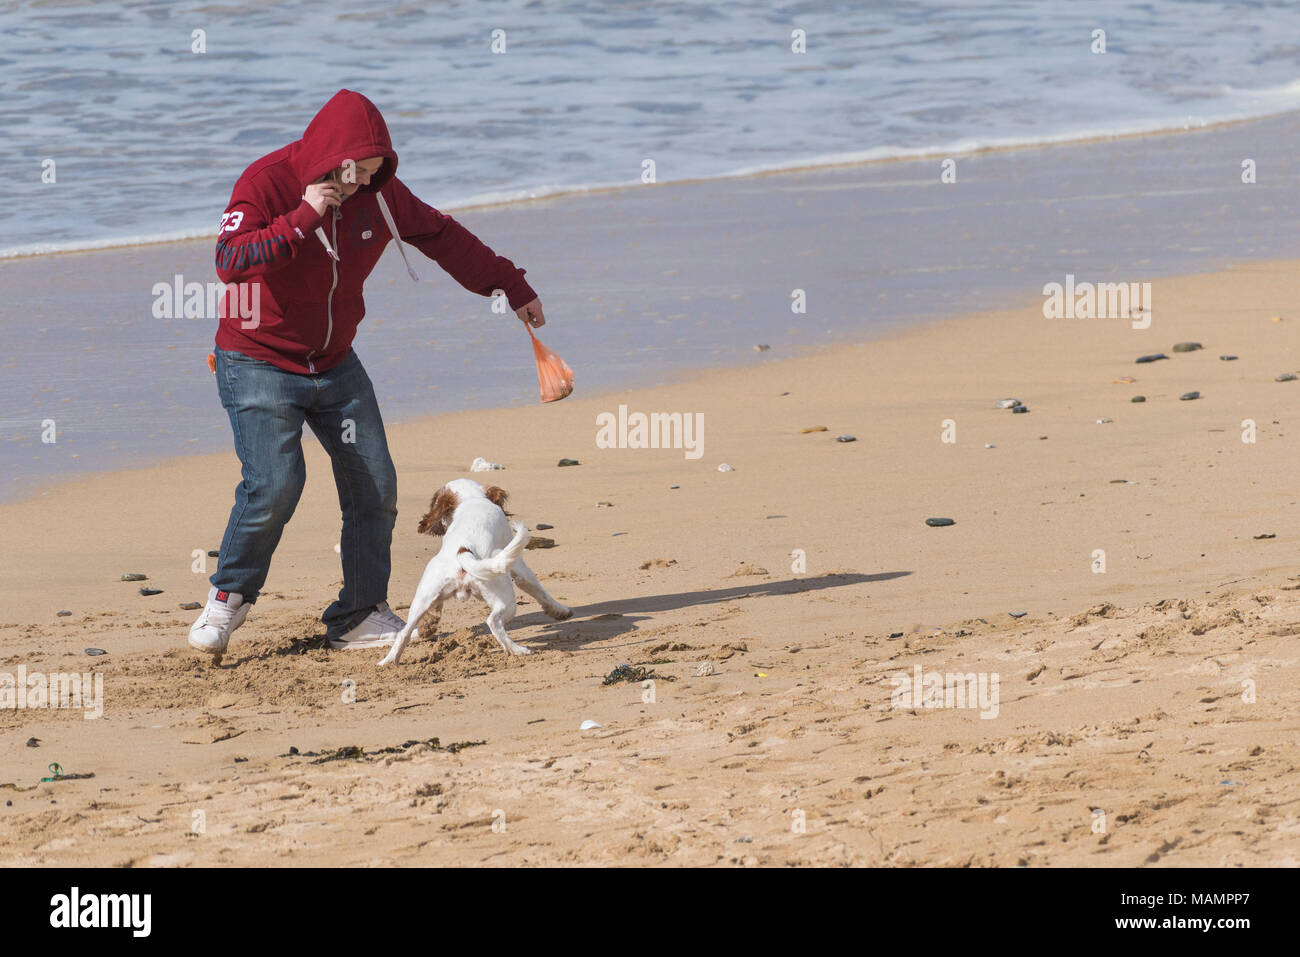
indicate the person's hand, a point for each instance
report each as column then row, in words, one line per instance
column 531, row 314
column 322, row 196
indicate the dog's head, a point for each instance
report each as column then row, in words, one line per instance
column 443, row 505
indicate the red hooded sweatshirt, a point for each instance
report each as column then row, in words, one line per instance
column 308, row 303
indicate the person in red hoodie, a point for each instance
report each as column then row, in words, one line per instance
column 304, row 227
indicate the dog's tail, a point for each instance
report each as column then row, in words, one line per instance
column 498, row 564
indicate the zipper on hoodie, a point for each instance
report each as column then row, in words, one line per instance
column 334, row 282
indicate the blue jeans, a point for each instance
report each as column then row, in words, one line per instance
column 267, row 407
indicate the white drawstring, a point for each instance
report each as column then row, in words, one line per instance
column 320, row 232
column 392, row 228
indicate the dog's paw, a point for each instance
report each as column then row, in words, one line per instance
column 560, row 613
column 521, row 650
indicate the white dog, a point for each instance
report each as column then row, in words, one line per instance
column 478, row 558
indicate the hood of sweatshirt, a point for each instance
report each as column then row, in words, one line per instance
column 348, row 127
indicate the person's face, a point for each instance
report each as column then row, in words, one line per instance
column 365, row 169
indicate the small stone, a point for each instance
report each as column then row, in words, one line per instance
column 1008, row 403
column 134, row 577
column 939, row 522
column 1125, row 380
column 33, row 742
column 1228, row 358
column 1188, row 396
column 151, row 591
column 64, row 614
column 1020, row 408
column 189, row 605
column 1104, row 421
column 1138, row 398
column 989, row 445
column 481, row 464
column 762, row 347
column 95, row 652
column 564, row 462
column 1187, row 346
column 1265, row 535
column 604, row 505
column 542, row 526
column 1152, row 358
column 673, row 487
column 1286, row 377
column 1017, row 614
column 539, row 541
column 293, row 750
column 895, row 634
column 813, row 428
column 214, row 553
column 846, row 438
column 724, row 467
column 704, row 670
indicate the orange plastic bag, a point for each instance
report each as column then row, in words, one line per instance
column 554, row 377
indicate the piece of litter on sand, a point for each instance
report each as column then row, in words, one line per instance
column 724, row 467
column 588, row 725
column 95, row 651
column 481, row 464
column 939, row 522
column 760, row 674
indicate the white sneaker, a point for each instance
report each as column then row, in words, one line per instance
column 224, row 613
column 378, row 630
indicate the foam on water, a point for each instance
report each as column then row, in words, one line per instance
column 148, row 137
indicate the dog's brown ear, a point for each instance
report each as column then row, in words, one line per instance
column 497, row 496
column 439, row 514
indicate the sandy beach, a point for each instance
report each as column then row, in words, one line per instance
column 1146, row 712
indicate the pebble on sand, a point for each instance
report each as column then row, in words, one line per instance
column 1152, row 358
column 1104, row 421
column 214, row 553
column 134, row 577
column 1138, row 398
column 1020, row 408
column 190, row 606
column 64, row 614
column 846, row 438
column 1188, row 396
column 1286, row 377
column 563, row 462
column 1265, row 535
column 1008, row 403
column 1228, row 358
column 151, row 591
column 813, row 428
column 1125, row 380
column 481, row 464
column 1017, row 614
column 540, row 541
column 724, row 467
column 939, row 522
column 542, row 526
column 1187, row 346
column 95, row 652
column 762, row 347
column 588, row 725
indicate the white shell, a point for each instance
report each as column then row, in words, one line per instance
column 588, row 725
column 481, row 464
column 724, row 467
